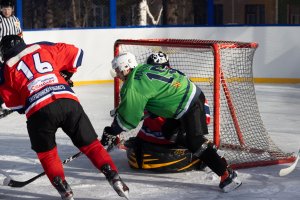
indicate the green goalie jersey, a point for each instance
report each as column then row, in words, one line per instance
column 161, row 91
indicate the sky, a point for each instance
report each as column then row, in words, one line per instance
column 279, row 106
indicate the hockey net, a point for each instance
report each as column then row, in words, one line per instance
column 223, row 71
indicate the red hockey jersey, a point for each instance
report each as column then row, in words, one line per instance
column 151, row 128
column 32, row 80
column 151, row 131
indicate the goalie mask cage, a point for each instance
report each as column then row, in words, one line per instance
column 223, row 71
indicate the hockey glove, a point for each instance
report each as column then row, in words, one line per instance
column 70, row 83
column 4, row 113
column 67, row 76
column 109, row 140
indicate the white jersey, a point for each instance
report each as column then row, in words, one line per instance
column 9, row 26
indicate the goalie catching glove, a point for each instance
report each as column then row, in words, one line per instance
column 108, row 140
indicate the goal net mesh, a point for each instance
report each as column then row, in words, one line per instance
column 239, row 130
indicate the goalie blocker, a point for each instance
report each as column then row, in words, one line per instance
column 160, row 158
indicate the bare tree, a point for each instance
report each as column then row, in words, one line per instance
column 84, row 13
column 37, row 15
column 76, row 12
column 87, row 4
column 171, row 12
column 49, row 14
column 143, row 14
column 156, row 9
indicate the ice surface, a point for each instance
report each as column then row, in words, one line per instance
column 280, row 110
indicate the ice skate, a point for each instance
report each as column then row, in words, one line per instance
column 231, row 182
column 63, row 188
column 115, row 181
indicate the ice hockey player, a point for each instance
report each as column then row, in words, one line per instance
column 150, row 150
column 170, row 94
column 32, row 84
column 9, row 24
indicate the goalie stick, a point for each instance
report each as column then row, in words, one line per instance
column 286, row 171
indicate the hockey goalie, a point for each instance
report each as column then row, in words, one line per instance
column 156, row 147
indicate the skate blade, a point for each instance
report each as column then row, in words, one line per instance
column 126, row 195
column 68, row 198
column 122, row 192
column 232, row 186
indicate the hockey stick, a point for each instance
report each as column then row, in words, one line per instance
column 17, row 184
column 8, row 181
column 286, row 171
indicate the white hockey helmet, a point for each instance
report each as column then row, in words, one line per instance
column 124, row 61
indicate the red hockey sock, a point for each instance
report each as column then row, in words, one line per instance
column 98, row 155
column 224, row 176
column 52, row 164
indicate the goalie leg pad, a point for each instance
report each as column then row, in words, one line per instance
column 160, row 158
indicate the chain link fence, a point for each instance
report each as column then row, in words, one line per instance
column 37, row 14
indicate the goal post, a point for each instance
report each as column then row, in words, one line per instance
column 223, row 71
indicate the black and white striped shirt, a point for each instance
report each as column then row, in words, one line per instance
column 9, row 26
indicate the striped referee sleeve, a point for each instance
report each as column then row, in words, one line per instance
column 9, row 26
